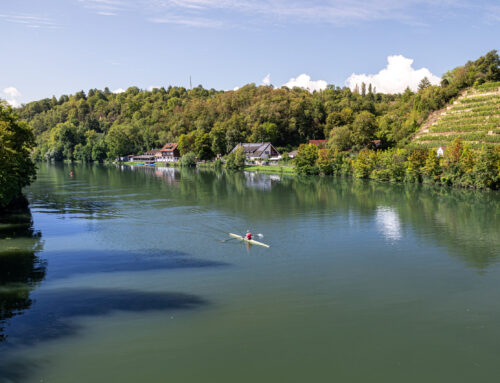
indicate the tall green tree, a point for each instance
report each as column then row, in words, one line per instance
column 16, row 167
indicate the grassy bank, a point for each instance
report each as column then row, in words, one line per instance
column 270, row 169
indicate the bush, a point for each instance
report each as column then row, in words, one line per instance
column 364, row 163
column 305, row 162
column 188, row 159
column 236, row 160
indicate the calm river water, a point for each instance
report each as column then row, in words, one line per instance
column 120, row 275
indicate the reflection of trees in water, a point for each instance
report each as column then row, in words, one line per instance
column 465, row 221
column 20, row 269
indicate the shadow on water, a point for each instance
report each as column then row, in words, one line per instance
column 29, row 316
column 54, row 312
column 65, row 264
column 51, row 315
column 21, row 270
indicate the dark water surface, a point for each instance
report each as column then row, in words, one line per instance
column 119, row 275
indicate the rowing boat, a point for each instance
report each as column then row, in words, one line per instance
column 250, row 241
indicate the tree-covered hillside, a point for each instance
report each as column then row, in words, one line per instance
column 98, row 124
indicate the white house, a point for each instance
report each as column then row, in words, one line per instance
column 260, row 152
column 440, row 151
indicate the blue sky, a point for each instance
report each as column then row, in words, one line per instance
column 55, row 47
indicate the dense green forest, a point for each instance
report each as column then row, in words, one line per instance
column 99, row 125
column 16, row 167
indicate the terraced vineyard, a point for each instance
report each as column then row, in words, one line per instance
column 474, row 116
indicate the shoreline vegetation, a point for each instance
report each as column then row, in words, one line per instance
column 368, row 134
column 459, row 166
column 16, row 166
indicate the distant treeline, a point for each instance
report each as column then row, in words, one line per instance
column 100, row 125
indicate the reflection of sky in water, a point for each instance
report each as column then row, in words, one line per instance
column 388, row 223
column 261, row 181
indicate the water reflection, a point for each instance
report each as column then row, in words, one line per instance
column 465, row 221
column 21, row 270
column 261, row 181
column 387, row 220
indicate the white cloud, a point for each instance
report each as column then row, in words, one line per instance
column 29, row 20
column 223, row 13
column 395, row 77
column 304, row 81
column 119, row 90
column 12, row 92
column 337, row 12
column 151, row 87
column 197, row 22
column 12, row 95
column 267, row 80
column 236, row 88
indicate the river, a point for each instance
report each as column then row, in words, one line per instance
column 119, row 274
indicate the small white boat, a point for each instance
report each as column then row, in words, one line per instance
column 251, row 241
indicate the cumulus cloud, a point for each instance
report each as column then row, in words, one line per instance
column 304, row 81
column 395, row 77
column 267, row 80
column 12, row 96
column 119, row 90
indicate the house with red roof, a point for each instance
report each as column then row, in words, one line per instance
column 168, row 153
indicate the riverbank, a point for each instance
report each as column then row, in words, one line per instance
column 275, row 169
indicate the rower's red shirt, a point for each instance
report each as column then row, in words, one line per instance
column 249, row 235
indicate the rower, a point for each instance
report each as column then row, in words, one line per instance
column 248, row 235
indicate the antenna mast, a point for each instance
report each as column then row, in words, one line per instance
column 190, row 83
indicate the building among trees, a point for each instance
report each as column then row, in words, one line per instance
column 259, row 152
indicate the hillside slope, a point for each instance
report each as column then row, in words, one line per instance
column 474, row 116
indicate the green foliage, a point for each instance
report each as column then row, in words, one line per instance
column 203, row 147
column 16, row 167
column 432, row 167
column 137, row 120
column 188, row 160
column 365, row 163
column 325, row 162
column 305, row 162
column 186, row 143
column 363, row 129
column 414, row 165
column 341, row 138
column 218, row 139
column 236, row 159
